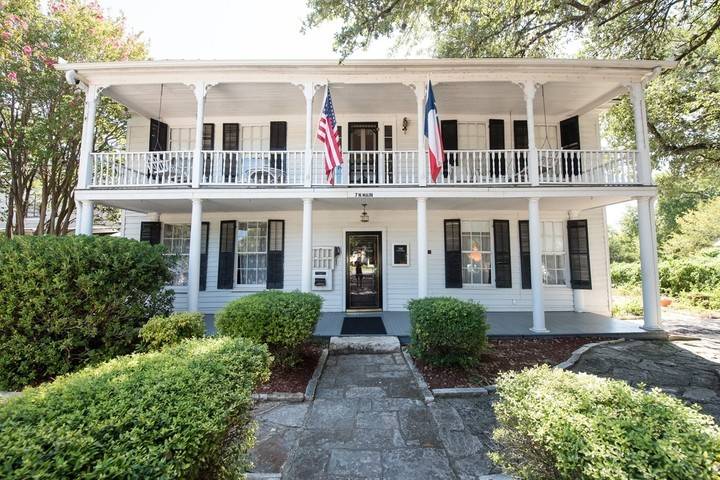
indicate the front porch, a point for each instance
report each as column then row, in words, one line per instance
column 507, row 324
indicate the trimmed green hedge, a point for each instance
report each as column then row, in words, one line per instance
column 447, row 331
column 169, row 414
column 161, row 331
column 66, row 302
column 282, row 320
column 561, row 425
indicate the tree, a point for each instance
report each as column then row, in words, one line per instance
column 697, row 230
column 40, row 114
column 683, row 105
column 623, row 242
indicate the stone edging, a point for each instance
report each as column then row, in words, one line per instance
column 422, row 384
column 297, row 397
column 474, row 391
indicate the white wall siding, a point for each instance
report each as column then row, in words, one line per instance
column 399, row 282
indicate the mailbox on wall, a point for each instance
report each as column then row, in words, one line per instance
column 322, row 279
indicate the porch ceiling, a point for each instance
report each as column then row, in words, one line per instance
column 354, row 204
column 555, row 99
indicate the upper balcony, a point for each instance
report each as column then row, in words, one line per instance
column 269, row 169
column 233, row 124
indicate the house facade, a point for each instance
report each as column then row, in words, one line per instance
column 222, row 166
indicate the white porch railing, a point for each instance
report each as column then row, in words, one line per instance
column 599, row 167
column 370, row 168
column 133, row 169
column 484, row 167
column 253, row 168
column 364, row 168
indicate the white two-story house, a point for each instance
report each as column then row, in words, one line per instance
column 224, row 169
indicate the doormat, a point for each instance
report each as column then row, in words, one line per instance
column 363, row 326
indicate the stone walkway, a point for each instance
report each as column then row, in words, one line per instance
column 368, row 421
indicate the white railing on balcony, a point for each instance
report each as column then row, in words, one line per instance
column 599, row 167
column 370, row 168
column 253, row 168
column 484, row 167
column 132, row 169
column 362, row 168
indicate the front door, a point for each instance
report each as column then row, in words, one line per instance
column 362, row 146
column 363, row 278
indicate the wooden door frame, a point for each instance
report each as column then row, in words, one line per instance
column 379, row 274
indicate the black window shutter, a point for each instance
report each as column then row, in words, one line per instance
column 579, row 251
column 503, row 272
column 276, row 253
column 525, row 253
column 158, row 136
column 520, row 142
column 497, row 142
column 208, row 142
column 570, row 140
column 226, row 260
column 231, row 136
column 453, row 254
column 449, row 131
column 278, row 142
column 150, row 232
column 204, row 254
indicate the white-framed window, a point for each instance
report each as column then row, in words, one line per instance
column 251, row 251
column 553, row 256
column 546, row 137
column 182, row 139
column 476, row 252
column 255, row 137
column 472, row 136
column 176, row 238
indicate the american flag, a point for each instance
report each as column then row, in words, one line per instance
column 328, row 134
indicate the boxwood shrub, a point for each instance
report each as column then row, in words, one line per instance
column 562, row 425
column 282, row 320
column 182, row 412
column 161, row 331
column 69, row 301
column 447, row 331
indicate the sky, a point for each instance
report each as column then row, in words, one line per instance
column 242, row 29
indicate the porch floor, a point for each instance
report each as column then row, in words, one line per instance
column 503, row 324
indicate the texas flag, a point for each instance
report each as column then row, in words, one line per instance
column 433, row 135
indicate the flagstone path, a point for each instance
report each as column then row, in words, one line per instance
column 369, row 421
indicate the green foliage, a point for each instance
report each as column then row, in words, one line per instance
column 622, row 274
column 282, row 320
column 699, row 273
column 161, row 331
column 66, row 302
column 447, row 331
column 632, row 307
column 566, row 426
column 680, row 194
column 161, row 414
column 707, row 300
column 697, row 230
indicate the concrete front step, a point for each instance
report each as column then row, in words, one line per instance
column 383, row 344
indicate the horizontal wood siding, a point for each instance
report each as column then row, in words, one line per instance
column 400, row 282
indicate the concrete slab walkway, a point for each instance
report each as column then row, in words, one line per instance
column 369, row 421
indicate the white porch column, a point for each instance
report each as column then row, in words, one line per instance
column 642, row 141
column 422, row 247
column 194, row 260
column 536, row 276
column 201, row 89
column 529, row 89
column 650, row 291
column 578, row 296
column 87, row 139
column 78, row 217
column 422, row 156
column 86, row 220
column 306, row 265
column 308, row 89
